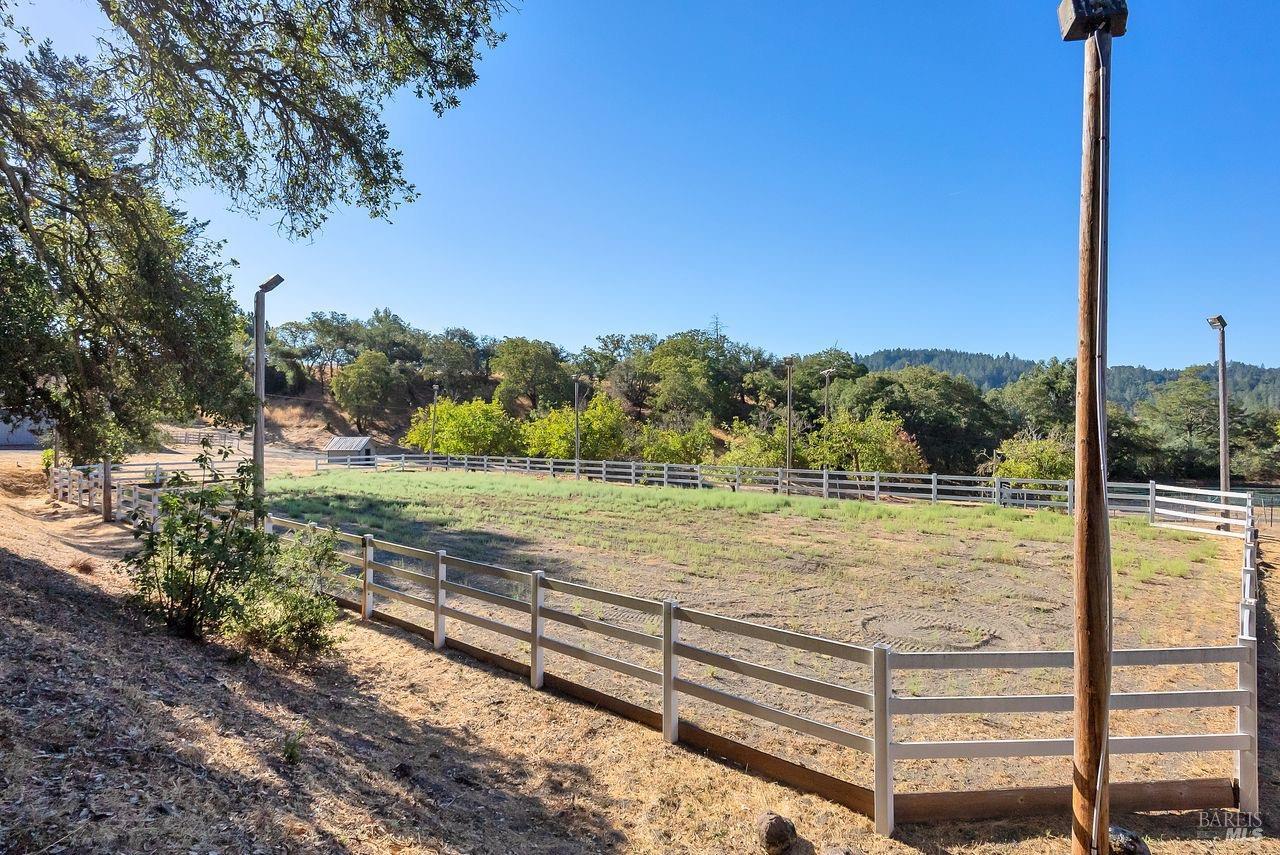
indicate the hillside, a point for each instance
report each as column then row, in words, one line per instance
column 985, row 370
column 1252, row 386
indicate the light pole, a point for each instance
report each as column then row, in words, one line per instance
column 431, row 441
column 790, row 362
column 1219, row 323
column 260, row 390
column 1093, row 22
column 826, row 392
column 577, row 434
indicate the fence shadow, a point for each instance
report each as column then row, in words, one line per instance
column 390, row 518
column 201, row 743
column 1268, row 687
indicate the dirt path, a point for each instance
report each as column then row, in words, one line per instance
column 118, row 739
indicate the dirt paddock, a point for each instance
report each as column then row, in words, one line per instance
column 117, row 738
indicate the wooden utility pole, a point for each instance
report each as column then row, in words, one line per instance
column 1095, row 22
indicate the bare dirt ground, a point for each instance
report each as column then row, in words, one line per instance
column 117, row 738
column 919, row 577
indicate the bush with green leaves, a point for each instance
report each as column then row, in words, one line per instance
column 877, row 443
column 286, row 609
column 193, row 566
column 671, row 445
column 752, row 445
column 476, row 427
column 602, row 427
column 1029, row 455
column 205, row 569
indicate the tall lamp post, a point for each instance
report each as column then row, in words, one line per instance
column 826, row 392
column 431, row 441
column 1219, row 323
column 577, row 433
column 1094, row 22
column 260, row 389
column 790, row 362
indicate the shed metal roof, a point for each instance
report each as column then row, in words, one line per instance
column 349, row 443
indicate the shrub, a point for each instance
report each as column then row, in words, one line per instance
column 878, row 443
column 286, row 609
column 602, row 426
column 206, row 569
column 1027, row 455
column 671, row 445
column 476, row 427
column 750, row 445
column 193, row 567
column 46, row 460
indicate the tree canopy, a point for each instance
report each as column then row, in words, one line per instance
column 116, row 301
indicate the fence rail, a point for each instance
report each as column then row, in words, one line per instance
column 1165, row 505
column 443, row 585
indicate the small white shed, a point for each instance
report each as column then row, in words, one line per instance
column 343, row 448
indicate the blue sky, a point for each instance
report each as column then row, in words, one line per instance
column 813, row 177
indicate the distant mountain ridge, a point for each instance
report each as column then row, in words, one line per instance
column 1252, row 386
column 986, row 371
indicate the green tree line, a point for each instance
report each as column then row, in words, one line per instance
column 698, row 396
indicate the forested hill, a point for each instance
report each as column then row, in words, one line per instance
column 985, row 370
column 1252, row 386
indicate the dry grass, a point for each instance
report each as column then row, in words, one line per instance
column 918, row 577
column 117, row 739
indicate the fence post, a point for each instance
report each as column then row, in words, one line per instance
column 697, row 469
column 875, row 496
column 268, row 522
column 437, row 633
column 737, row 479
column 537, row 625
column 116, row 506
column 633, row 473
column 666, row 474
column 826, row 483
column 1247, row 722
column 670, row 704
column 933, row 487
column 366, row 577
column 881, row 698
column 995, row 490
column 1249, row 573
column 1151, row 503
column 780, row 488
column 1071, row 497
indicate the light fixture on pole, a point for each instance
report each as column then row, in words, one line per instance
column 260, row 389
column 1219, row 323
column 1094, row 22
column 826, row 392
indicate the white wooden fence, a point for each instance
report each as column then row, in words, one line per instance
column 216, row 436
column 1165, row 506
column 421, row 579
column 441, row 596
